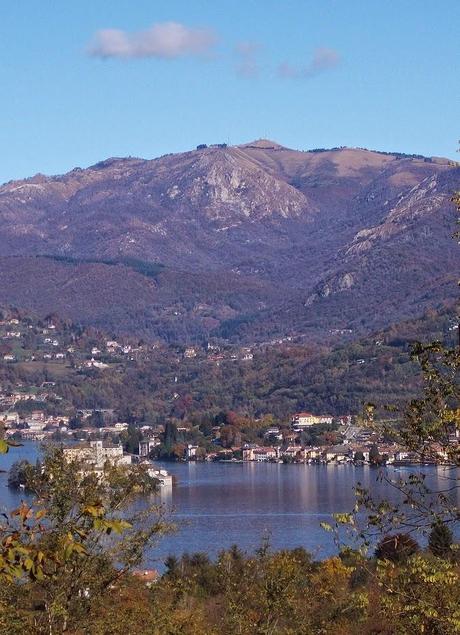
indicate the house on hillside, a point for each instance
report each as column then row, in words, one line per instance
column 274, row 433
column 93, row 363
column 305, row 419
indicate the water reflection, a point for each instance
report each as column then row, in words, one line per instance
column 217, row 505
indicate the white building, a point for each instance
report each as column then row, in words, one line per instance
column 190, row 452
column 96, row 454
column 162, row 476
column 94, row 363
column 260, row 454
column 306, row 419
column 145, row 447
column 338, row 453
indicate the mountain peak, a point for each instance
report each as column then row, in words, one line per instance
column 263, row 144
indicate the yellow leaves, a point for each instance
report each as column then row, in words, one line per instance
column 95, row 511
column 24, row 512
column 109, row 526
column 72, row 547
column 450, row 416
column 40, row 514
column 330, row 575
column 6, row 445
column 423, row 592
column 335, row 567
column 18, row 559
column 344, row 518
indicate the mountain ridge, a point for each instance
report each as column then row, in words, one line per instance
column 317, row 232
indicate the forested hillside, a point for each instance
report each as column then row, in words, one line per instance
column 149, row 381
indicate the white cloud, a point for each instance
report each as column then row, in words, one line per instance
column 165, row 40
column 323, row 59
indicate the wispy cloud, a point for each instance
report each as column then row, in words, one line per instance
column 323, row 59
column 164, row 40
column 248, row 65
column 286, row 70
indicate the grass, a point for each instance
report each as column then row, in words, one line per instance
column 55, row 369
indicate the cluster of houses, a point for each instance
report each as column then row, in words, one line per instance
column 217, row 354
column 357, row 445
column 338, row 454
column 9, row 399
column 23, row 414
column 51, row 345
column 36, row 425
column 22, row 341
column 32, row 423
column 287, row 447
column 298, row 454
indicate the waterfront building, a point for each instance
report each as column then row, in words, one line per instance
column 146, row 446
column 96, row 454
column 260, row 454
column 190, row 452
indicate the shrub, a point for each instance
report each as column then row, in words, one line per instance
column 397, row 547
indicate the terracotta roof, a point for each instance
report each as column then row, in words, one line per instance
column 147, row 575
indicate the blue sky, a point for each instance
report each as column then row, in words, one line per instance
column 368, row 73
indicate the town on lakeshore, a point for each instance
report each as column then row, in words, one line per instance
column 230, row 318
column 63, row 358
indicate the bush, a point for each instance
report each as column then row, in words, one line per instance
column 396, row 548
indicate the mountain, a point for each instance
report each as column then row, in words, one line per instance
column 246, row 242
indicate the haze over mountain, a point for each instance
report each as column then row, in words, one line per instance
column 248, row 241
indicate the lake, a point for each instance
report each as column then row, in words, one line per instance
column 218, row 504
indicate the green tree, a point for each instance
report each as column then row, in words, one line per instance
column 171, row 435
column 374, row 455
column 131, row 439
column 230, row 436
column 440, row 540
column 79, row 539
column 20, row 474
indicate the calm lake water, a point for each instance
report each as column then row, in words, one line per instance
column 216, row 505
